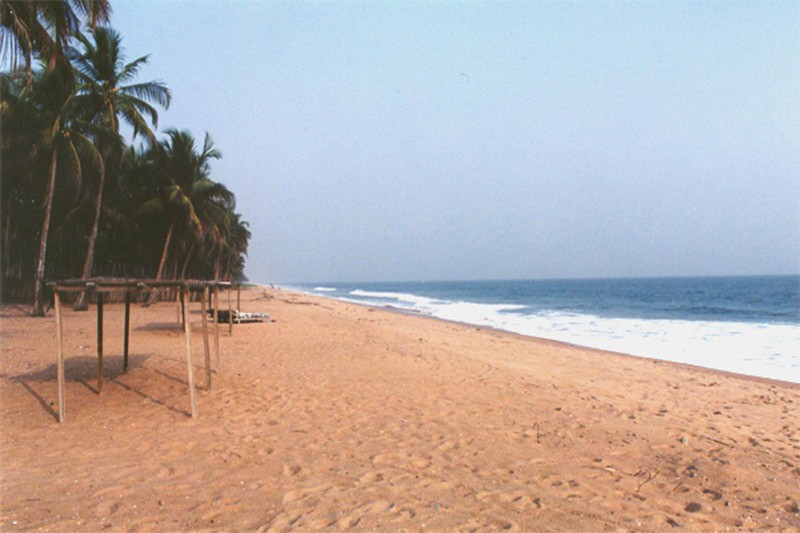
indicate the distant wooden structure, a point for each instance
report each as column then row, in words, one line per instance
column 103, row 286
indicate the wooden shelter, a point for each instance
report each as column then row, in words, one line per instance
column 102, row 286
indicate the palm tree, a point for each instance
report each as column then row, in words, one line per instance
column 66, row 138
column 106, row 95
column 234, row 247
column 190, row 203
column 43, row 28
column 22, row 127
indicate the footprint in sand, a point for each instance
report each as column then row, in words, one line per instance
column 692, row 507
column 299, row 494
column 106, row 509
column 291, row 470
column 165, row 472
column 353, row 518
column 713, row 494
column 372, row 477
column 284, row 522
column 115, row 491
column 264, row 451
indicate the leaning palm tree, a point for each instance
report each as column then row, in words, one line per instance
column 191, row 205
column 106, row 94
column 68, row 141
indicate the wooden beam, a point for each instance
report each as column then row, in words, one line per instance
column 61, row 288
column 100, row 297
column 206, row 351
column 92, row 287
column 59, row 358
column 127, row 331
column 189, row 363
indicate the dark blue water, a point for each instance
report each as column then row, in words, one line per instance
column 762, row 299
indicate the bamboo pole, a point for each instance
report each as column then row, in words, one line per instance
column 100, row 297
column 230, row 313
column 189, row 363
column 183, row 311
column 127, row 331
column 216, row 326
column 59, row 357
column 206, row 351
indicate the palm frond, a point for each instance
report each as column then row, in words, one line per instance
column 97, row 11
column 141, row 107
column 136, row 120
column 211, row 190
column 84, row 145
column 209, row 152
column 152, row 91
column 131, row 70
column 150, row 208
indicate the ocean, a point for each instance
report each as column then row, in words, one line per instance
column 749, row 325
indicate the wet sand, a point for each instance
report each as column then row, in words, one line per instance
column 344, row 417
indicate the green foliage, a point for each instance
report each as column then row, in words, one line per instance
column 72, row 186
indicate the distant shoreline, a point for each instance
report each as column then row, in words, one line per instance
column 411, row 312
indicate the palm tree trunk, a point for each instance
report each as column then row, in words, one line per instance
column 174, row 267
column 217, row 268
column 7, row 244
column 186, row 262
column 48, row 209
column 161, row 264
column 160, row 272
column 229, row 267
column 81, row 304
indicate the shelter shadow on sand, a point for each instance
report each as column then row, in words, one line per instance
column 82, row 369
column 160, row 326
column 149, row 397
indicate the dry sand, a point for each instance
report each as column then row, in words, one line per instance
column 340, row 416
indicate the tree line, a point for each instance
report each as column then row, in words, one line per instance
column 80, row 200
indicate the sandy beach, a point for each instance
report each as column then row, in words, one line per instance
column 345, row 417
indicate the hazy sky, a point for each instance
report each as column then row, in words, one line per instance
column 469, row 140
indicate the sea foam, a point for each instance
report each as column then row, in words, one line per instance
column 756, row 349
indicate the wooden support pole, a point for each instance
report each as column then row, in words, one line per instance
column 183, row 311
column 239, row 298
column 216, row 326
column 230, row 313
column 189, row 363
column 59, row 356
column 100, row 297
column 206, row 351
column 127, row 331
